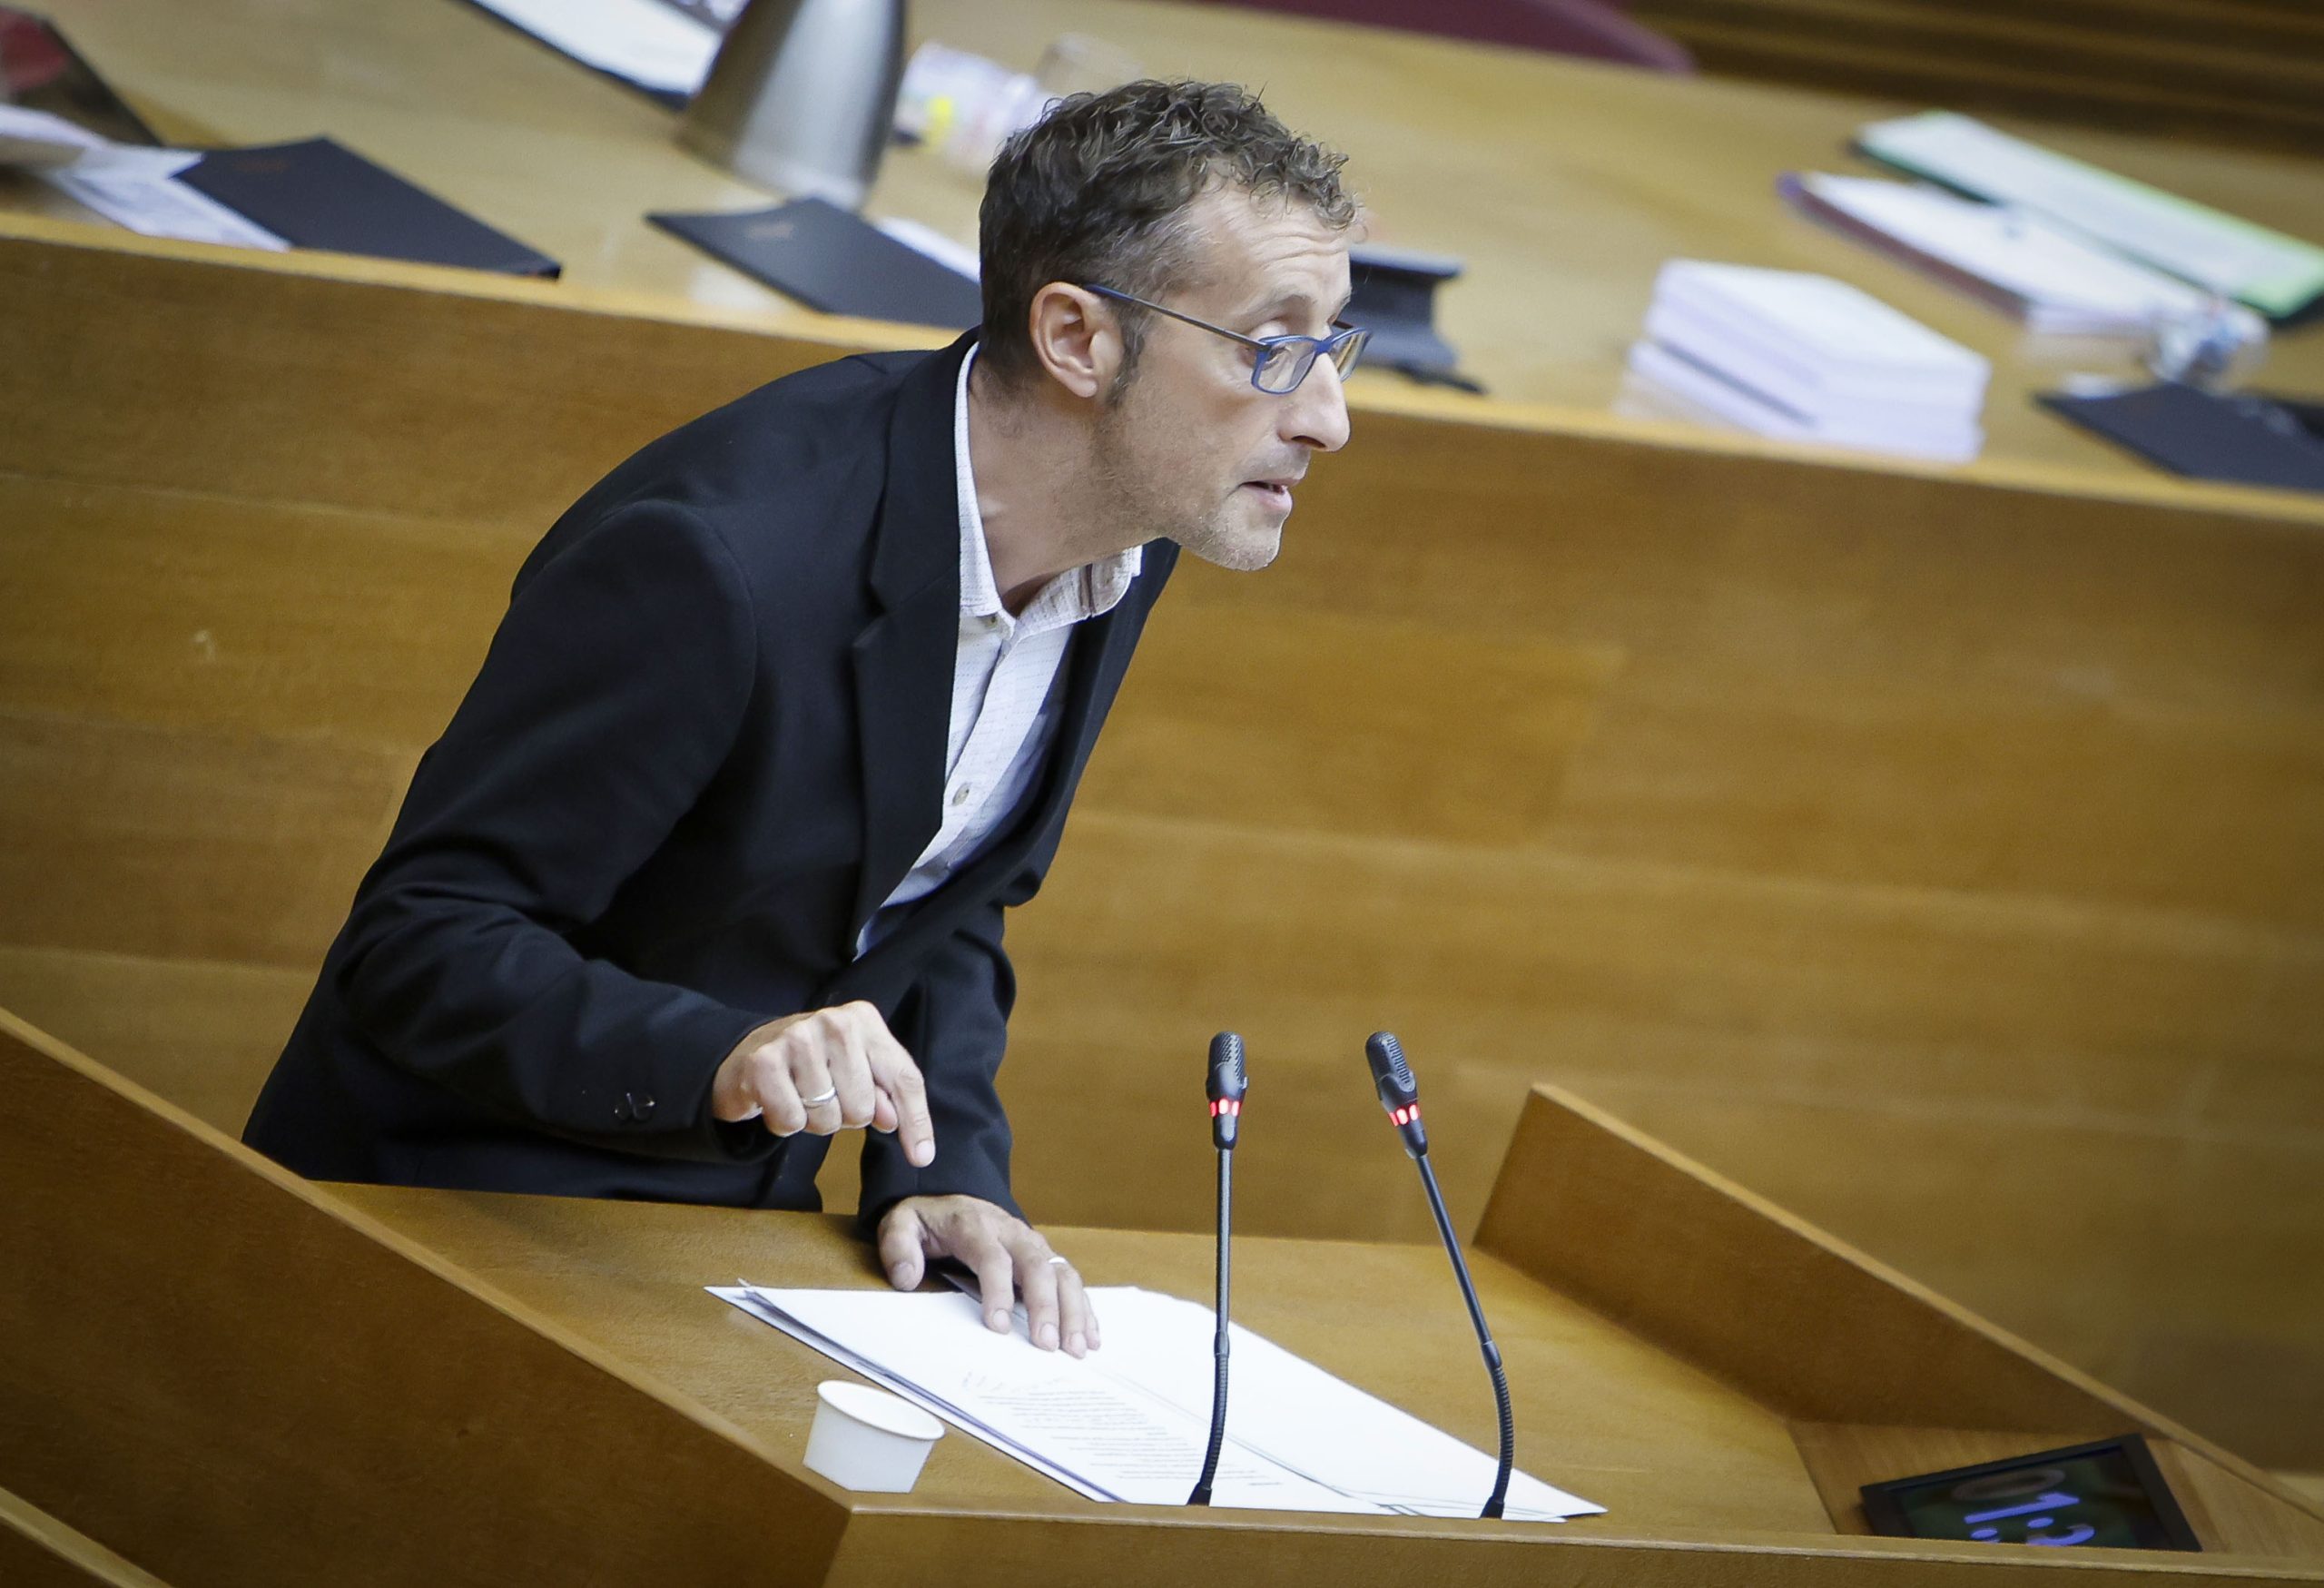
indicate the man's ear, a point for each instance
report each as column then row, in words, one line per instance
column 1076, row 339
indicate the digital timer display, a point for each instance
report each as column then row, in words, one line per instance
column 2106, row 1494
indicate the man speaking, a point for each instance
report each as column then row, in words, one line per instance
column 712, row 860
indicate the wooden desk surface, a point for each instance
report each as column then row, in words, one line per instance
column 392, row 1387
column 1563, row 184
column 1599, row 1411
column 1679, row 1455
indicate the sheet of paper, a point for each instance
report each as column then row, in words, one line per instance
column 645, row 42
column 1130, row 1422
column 2273, row 273
column 34, row 138
column 1059, row 1415
column 957, row 257
column 1290, row 1411
column 2066, row 282
column 762, row 1306
column 138, row 188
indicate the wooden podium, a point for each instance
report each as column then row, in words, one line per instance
column 213, row 1372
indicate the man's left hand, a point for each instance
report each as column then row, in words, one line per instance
column 1008, row 1255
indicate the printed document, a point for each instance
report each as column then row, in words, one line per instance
column 1130, row 1422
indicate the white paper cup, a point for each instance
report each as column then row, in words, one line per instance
column 868, row 1440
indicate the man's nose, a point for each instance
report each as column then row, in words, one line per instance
column 1317, row 414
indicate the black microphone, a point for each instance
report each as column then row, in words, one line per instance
column 1227, row 1083
column 1392, row 1078
column 1400, row 1095
column 1227, row 1087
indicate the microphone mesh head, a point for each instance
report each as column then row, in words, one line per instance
column 1227, row 1077
column 1389, row 1069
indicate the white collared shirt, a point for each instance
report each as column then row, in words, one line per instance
column 1004, row 685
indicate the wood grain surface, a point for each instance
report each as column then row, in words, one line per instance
column 1564, row 184
column 36, row 1551
column 1680, row 1455
column 1891, row 838
column 2228, row 1512
column 230, row 1379
column 246, row 1379
column 1887, row 841
column 2213, row 70
column 1605, row 1413
column 1881, row 1376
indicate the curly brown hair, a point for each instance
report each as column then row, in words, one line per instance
column 1098, row 191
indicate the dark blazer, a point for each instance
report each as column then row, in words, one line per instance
column 706, row 744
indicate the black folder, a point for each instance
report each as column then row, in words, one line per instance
column 319, row 195
column 834, row 261
column 2239, row 436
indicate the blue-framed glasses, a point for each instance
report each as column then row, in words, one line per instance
column 1278, row 363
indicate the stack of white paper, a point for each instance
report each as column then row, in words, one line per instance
column 2280, row 276
column 1130, row 1422
column 1808, row 359
column 2013, row 259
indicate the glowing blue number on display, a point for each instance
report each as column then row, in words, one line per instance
column 2057, row 1500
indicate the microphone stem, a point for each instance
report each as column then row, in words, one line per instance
column 1484, row 1338
column 1201, row 1496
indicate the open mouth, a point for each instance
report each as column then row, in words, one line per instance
column 1275, row 495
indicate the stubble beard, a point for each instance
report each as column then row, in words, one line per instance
column 1140, row 497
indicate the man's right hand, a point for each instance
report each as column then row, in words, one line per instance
column 777, row 1071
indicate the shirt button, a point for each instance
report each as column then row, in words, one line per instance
column 963, row 794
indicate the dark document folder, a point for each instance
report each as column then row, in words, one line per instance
column 317, row 195
column 2239, row 436
column 834, row 261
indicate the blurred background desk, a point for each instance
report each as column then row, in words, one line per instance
column 1563, row 183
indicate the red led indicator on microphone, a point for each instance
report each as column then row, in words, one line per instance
column 1225, row 1106
column 1404, row 1116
